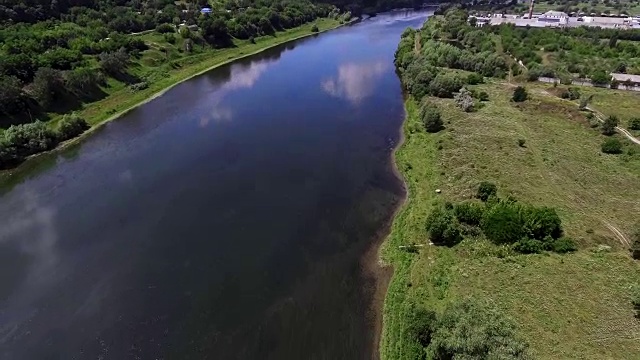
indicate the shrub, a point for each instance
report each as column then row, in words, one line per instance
column 474, row 79
column 521, row 142
column 314, row 28
column 469, row 212
column 634, row 123
column 609, row 126
column 483, row 96
column 541, row 222
column 138, row 86
column 472, row 330
column 486, row 190
column 563, row 245
column 71, row 126
column 611, row 146
column 573, row 93
column 464, row 100
column 503, row 223
column 421, row 82
column 445, row 84
column 520, row 94
column 528, row 246
column 431, row 119
column 584, row 102
column 165, row 28
column 420, row 324
column 443, row 227
column 170, row 38
column 20, row 141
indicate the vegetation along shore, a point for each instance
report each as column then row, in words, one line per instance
column 520, row 236
column 70, row 69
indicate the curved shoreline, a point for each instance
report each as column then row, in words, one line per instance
column 100, row 124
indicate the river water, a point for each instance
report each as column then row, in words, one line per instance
column 226, row 219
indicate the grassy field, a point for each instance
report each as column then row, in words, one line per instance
column 163, row 73
column 567, row 306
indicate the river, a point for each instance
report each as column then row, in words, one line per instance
column 227, row 219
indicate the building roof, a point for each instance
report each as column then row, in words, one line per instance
column 555, row 14
column 625, row 77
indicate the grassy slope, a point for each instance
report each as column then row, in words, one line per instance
column 121, row 98
column 572, row 306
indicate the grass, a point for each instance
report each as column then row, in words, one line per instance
column 567, row 306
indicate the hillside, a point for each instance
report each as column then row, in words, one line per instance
column 544, row 156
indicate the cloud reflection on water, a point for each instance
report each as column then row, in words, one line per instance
column 355, row 82
column 242, row 77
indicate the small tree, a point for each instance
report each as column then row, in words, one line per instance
column 464, row 100
column 314, row 28
column 584, row 102
column 635, row 243
column 609, row 126
column 71, row 126
column 114, row 63
column 46, row 85
column 486, row 190
column 443, row 227
column 431, row 119
column 634, row 123
column 600, row 77
column 12, row 99
column 520, row 94
column 445, row 84
column 611, row 146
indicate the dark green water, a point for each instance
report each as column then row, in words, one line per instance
column 227, row 219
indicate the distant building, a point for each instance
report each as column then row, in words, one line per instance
column 206, row 10
column 626, row 79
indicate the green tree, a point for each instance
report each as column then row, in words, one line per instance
column 635, row 242
column 443, row 227
column 46, row 85
column 71, row 126
column 430, row 116
column 520, row 94
column 12, row 99
column 600, row 77
column 609, row 125
column 634, row 123
column 503, row 223
column 445, row 84
column 114, row 63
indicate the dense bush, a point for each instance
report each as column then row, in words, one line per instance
column 486, row 190
column 503, row 223
column 314, row 28
column 571, row 93
column 20, row 141
column 635, row 300
column 445, row 84
column 443, row 227
column 469, row 212
column 634, row 123
column 635, row 242
column 528, row 246
column 520, row 94
column 611, row 146
column 474, row 79
column 563, row 245
column 430, row 116
column 165, row 28
column 472, row 330
column 609, row 125
column 71, row 126
column 540, row 222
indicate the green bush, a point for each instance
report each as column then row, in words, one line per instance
column 563, row 245
column 422, row 81
column 420, row 324
column 165, row 28
column 528, row 246
column 20, row 141
column 475, row 78
column 521, row 142
column 445, row 84
column 486, row 190
column 635, row 242
column 540, row 222
column 469, row 212
column 520, row 94
column 634, row 123
column 503, row 223
column 71, row 126
column 611, row 146
column 443, row 227
column 430, row 116
column 483, row 96
column 314, row 28
column 170, row 38
column 471, row 330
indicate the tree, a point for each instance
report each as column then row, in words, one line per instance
column 215, row 32
column 472, row 330
column 430, row 117
column 314, row 28
column 486, row 190
column 12, row 99
column 613, row 40
column 634, row 123
column 46, row 85
column 464, row 100
column 611, row 146
column 114, row 63
column 503, row 223
column 71, row 126
column 443, row 227
column 609, row 126
column 520, row 94
column 600, row 77
column 445, row 84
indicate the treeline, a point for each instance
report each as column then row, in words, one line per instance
column 448, row 41
column 583, row 51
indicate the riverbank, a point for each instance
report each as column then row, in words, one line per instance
column 123, row 100
column 559, row 166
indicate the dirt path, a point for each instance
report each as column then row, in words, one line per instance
column 600, row 116
column 618, row 234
